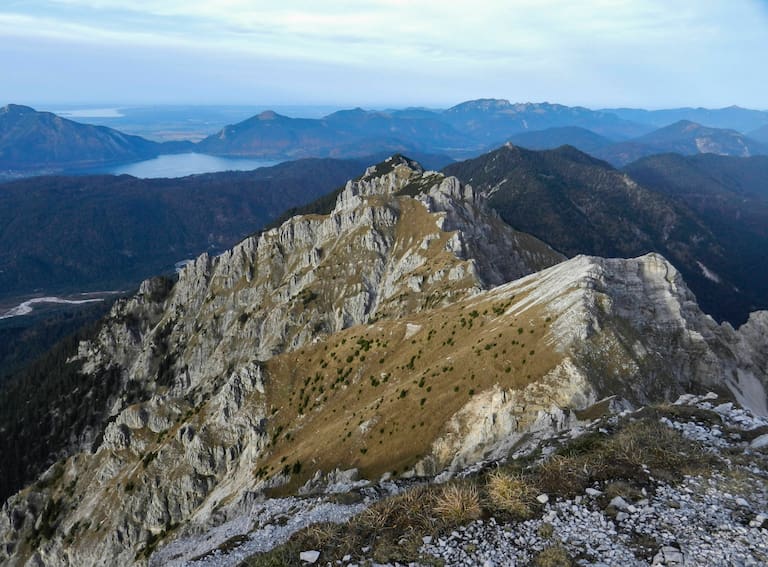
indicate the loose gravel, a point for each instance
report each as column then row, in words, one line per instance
column 714, row 520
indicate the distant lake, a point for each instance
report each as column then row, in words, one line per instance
column 179, row 165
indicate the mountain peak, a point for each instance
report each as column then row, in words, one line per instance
column 268, row 115
column 17, row 109
column 481, row 104
column 391, row 164
column 685, row 125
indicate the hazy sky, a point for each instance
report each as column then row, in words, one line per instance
column 650, row 53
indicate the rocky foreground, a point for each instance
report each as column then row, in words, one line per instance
column 717, row 515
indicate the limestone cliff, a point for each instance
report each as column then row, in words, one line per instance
column 399, row 240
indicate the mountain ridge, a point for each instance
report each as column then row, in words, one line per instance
column 461, row 131
column 581, row 205
column 683, row 137
column 328, row 341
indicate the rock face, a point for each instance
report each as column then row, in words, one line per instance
column 408, row 331
column 398, row 241
column 627, row 328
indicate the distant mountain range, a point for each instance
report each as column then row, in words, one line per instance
column 344, row 133
column 684, row 137
column 729, row 118
column 34, row 142
column 492, row 120
column 44, row 141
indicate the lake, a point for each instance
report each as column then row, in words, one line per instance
column 180, row 165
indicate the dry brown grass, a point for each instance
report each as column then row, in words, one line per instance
column 620, row 461
column 458, row 503
column 511, row 494
column 404, row 513
column 566, row 475
column 651, row 443
column 555, row 556
column 466, row 347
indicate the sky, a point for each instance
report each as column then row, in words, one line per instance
column 385, row 53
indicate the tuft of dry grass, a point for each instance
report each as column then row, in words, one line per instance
column 555, row 556
column 511, row 494
column 458, row 503
column 651, row 443
column 407, row 512
column 567, row 475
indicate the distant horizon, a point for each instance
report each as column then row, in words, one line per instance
column 101, row 105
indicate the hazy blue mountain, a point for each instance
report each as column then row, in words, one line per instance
column 581, row 138
column 347, row 133
column 761, row 135
column 581, row 205
column 683, row 137
column 42, row 141
column 461, row 131
column 496, row 119
column 731, row 118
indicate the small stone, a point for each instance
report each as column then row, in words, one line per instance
column 619, row 503
column 742, row 502
column 427, row 539
column 668, row 555
column 593, row 492
column 309, row 556
column 542, row 498
column 759, row 442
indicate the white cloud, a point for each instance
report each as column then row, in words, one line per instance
column 623, row 45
